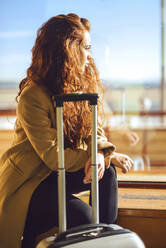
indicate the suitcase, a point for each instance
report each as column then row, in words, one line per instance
column 91, row 235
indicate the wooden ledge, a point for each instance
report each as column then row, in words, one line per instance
column 146, row 213
column 142, row 199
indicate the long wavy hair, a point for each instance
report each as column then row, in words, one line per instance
column 57, row 64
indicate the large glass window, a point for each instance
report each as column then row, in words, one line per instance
column 126, row 45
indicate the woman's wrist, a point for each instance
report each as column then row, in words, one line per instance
column 101, row 152
column 112, row 155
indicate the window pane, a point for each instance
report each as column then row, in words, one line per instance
column 126, row 39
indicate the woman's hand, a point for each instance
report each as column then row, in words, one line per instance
column 122, row 161
column 88, row 170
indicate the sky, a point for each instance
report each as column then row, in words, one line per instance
column 125, row 35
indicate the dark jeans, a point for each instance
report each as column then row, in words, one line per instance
column 43, row 208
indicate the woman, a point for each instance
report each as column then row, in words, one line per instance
column 61, row 63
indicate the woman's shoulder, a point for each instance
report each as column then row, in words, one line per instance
column 36, row 92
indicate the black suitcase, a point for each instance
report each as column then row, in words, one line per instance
column 94, row 235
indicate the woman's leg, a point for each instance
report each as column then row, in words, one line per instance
column 108, row 196
column 43, row 209
column 108, row 192
column 78, row 212
column 42, row 212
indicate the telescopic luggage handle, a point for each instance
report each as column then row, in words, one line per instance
column 60, row 99
column 75, row 97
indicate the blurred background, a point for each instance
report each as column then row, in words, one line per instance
column 128, row 45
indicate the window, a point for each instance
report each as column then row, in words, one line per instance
column 126, row 45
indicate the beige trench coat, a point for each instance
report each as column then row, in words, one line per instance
column 31, row 158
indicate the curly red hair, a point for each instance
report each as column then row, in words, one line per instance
column 56, row 64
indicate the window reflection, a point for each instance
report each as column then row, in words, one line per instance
column 126, row 50
column 147, row 122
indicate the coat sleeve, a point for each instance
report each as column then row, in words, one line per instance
column 34, row 115
column 102, row 144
